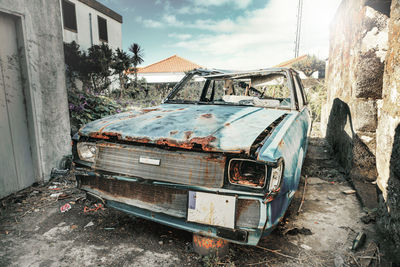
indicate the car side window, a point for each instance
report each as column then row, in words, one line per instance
column 299, row 92
column 191, row 90
column 303, row 92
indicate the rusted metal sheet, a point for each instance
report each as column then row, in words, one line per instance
column 247, row 213
column 206, row 127
column 182, row 167
column 155, row 198
column 162, row 199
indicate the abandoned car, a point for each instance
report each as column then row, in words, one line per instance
column 221, row 157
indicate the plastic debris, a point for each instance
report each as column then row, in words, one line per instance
column 349, row 192
column 63, row 196
column 54, row 187
column 56, row 172
column 89, row 224
column 96, row 208
column 65, row 208
column 73, row 226
column 359, row 241
column 55, row 195
column 109, row 228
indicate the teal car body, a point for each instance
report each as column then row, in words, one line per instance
column 184, row 162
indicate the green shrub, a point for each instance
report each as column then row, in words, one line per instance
column 316, row 94
column 85, row 107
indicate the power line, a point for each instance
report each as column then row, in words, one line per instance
column 298, row 31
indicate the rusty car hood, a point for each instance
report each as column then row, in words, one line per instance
column 219, row 128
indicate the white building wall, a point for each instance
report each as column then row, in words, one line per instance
column 165, row 77
column 82, row 37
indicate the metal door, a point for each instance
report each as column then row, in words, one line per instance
column 16, row 168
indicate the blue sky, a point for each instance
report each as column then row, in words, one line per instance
column 228, row 34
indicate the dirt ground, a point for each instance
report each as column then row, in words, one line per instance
column 34, row 232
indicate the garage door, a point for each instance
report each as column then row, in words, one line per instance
column 16, row 168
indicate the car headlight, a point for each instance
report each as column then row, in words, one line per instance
column 86, row 151
column 276, row 177
column 247, row 172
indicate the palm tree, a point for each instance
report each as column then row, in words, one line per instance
column 137, row 57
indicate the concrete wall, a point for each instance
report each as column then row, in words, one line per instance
column 43, row 75
column 82, row 36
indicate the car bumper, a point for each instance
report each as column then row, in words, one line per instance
column 168, row 203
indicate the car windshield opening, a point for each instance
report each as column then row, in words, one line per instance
column 263, row 90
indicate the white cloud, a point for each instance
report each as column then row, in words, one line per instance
column 236, row 3
column 149, row 23
column 255, row 39
column 263, row 37
column 179, row 36
column 170, row 20
column 192, row 10
column 225, row 25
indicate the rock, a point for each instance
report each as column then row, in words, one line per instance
column 89, row 225
column 296, row 231
column 338, row 261
column 315, row 180
column 304, row 246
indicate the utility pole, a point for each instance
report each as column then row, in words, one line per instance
column 298, row 31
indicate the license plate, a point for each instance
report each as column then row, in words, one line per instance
column 149, row 161
column 212, row 209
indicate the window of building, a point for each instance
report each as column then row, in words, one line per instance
column 69, row 16
column 103, row 35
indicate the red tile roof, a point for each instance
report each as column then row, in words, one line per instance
column 289, row 63
column 171, row 64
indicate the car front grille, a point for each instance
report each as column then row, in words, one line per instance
column 182, row 167
column 161, row 199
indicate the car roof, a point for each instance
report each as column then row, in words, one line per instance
column 217, row 73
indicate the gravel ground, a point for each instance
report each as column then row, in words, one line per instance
column 34, row 232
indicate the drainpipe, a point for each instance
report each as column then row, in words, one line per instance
column 91, row 33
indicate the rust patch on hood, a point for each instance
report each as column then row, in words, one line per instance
column 204, row 142
column 98, row 135
column 188, row 134
column 207, row 116
column 147, row 110
column 137, row 139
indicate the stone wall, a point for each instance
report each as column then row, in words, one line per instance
column 361, row 118
column 388, row 139
column 354, row 80
column 389, row 109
